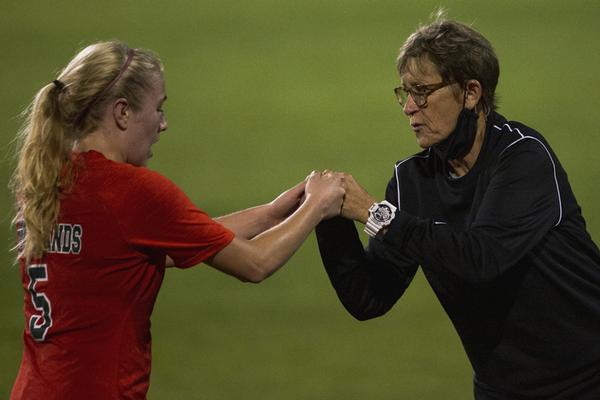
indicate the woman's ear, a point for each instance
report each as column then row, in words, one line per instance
column 121, row 111
column 473, row 93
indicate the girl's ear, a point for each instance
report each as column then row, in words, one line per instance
column 121, row 111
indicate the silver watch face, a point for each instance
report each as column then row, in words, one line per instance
column 382, row 214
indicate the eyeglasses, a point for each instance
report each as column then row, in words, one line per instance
column 419, row 93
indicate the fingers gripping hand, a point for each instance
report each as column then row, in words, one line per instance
column 327, row 188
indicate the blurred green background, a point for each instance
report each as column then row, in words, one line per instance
column 260, row 93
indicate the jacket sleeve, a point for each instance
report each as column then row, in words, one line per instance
column 520, row 206
column 368, row 281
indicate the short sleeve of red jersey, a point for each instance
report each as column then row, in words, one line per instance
column 158, row 218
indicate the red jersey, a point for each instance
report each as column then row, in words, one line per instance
column 88, row 300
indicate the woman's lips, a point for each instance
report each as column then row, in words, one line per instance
column 416, row 126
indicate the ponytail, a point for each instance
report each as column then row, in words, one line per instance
column 42, row 172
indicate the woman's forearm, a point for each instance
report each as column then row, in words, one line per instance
column 249, row 222
column 256, row 259
column 252, row 221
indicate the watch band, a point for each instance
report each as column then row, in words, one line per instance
column 371, row 228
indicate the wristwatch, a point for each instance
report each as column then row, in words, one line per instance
column 380, row 215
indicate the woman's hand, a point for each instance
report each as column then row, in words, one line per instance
column 357, row 200
column 327, row 191
column 287, row 202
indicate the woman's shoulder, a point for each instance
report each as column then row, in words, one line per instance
column 416, row 166
column 117, row 179
column 519, row 148
column 414, row 160
column 506, row 134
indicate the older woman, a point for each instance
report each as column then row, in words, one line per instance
column 97, row 228
column 487, row 211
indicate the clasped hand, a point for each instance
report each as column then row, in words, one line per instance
column 355, row 201
column 337, row 193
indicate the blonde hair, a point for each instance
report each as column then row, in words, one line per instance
column 62, row 113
